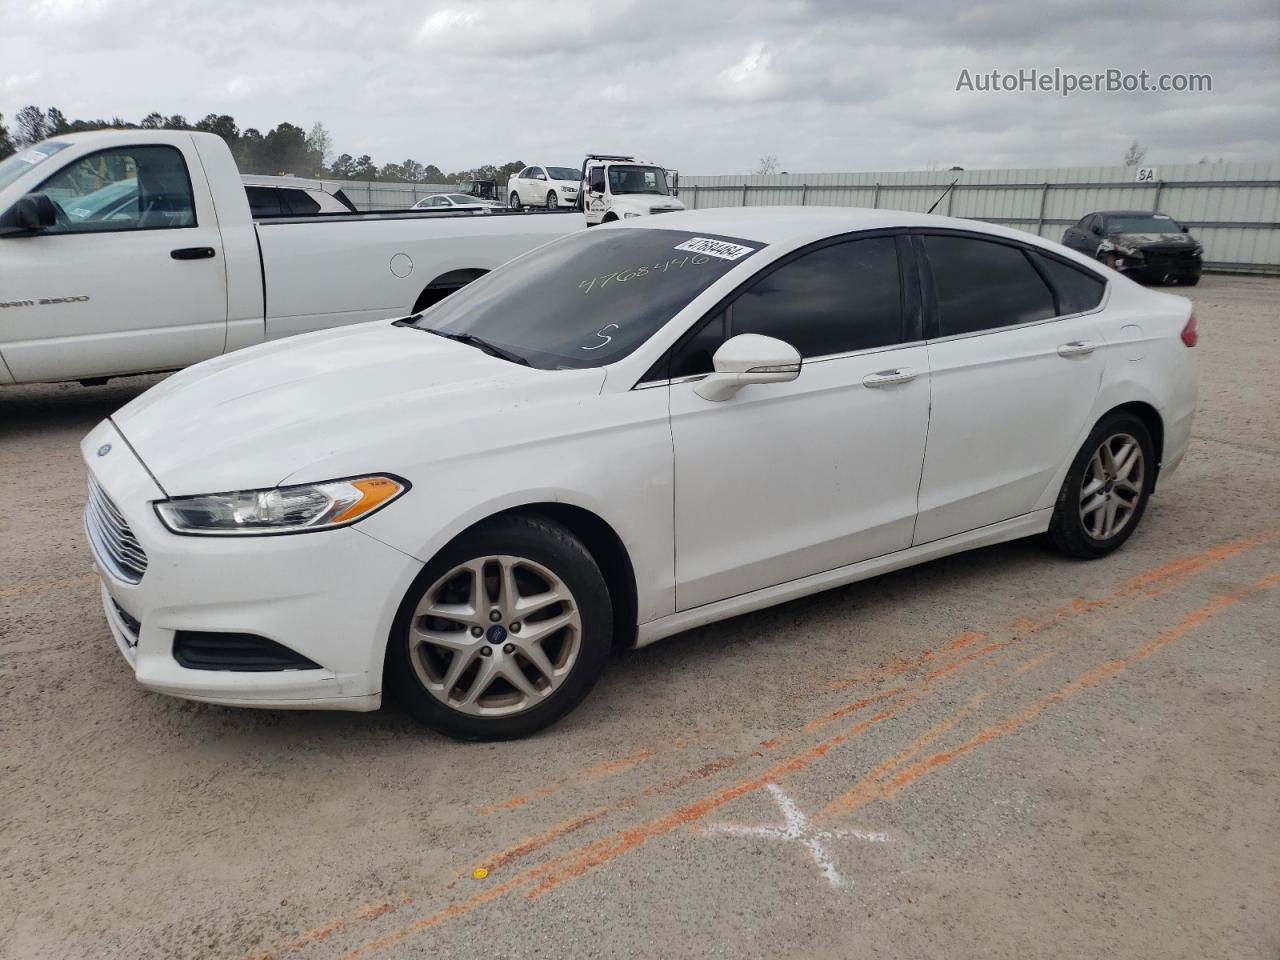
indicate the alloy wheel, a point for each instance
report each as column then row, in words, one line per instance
column 495, row 636
column 1111, row 489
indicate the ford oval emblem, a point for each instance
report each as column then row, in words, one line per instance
column 104, row 449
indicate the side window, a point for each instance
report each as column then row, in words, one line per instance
column 264, row 201
column 124, row 188
column 839, row 298
column 299, row 202
column 981, row 285
column 525, row 174
column 1077, row 289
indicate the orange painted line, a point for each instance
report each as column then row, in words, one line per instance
column 1086, row 680
column 870, row 786
column 504, row 857
column 49, row 585
column 1150, row 583
column 577, row 863
column 603, row 851
column 592, row 774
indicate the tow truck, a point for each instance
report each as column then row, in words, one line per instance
column 620, row 187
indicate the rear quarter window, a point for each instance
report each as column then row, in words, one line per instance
column 1078, row 290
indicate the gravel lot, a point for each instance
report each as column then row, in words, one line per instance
column 1002, row 754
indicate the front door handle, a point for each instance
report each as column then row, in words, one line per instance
column 1076, row 348
column 193, row 253
column 887, row 378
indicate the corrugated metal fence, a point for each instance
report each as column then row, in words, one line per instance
column 379, row 195
column 1232, row 208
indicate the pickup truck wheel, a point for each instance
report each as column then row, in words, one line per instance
column 515, row 201
column 552, row 202
column 503, row 633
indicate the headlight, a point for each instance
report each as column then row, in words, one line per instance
column 298, row 509
column 628, row 216
column 1198, row 251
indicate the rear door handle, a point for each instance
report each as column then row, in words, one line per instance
column 193, row 253
column 1076, row 348
column 887, row 378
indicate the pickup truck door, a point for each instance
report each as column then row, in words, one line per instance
column 117, row 288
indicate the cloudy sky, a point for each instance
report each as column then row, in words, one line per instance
column 708, row 87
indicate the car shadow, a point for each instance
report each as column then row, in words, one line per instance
column 41, row 408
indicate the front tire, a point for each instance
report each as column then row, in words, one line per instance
column 552, row 201
column 504, row 632
column 1105, row 493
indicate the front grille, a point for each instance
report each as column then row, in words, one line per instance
column 1178, row 254
column 198, row 650
column 113, row 543
column 662, row 210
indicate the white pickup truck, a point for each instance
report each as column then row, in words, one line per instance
column 182, row 272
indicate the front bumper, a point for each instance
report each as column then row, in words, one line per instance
column 330, row 596
column 1160, row 269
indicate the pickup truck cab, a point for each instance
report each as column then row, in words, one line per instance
column 620, row 188
column 180, row 271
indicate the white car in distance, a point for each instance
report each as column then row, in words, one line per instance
column 456, row 201
column 544, row 186
column 622, row 434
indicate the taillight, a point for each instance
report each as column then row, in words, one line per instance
column 1189, row 335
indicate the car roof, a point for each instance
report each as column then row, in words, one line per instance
column 802, row 224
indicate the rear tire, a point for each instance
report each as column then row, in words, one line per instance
column 514, row 202
column 1105, row 493
column 529, row 665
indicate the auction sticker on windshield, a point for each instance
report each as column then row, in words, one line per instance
column 715, row 248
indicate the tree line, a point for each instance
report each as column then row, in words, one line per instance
column 284, row 149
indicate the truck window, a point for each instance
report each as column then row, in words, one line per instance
column 122, row 188
column 264, row 202
column 300, row 202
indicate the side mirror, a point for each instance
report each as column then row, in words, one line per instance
column 1186, row 229
column 30, row 214
column 749, row 358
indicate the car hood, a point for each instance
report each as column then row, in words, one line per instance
column 1153, row 239
column 355, row 399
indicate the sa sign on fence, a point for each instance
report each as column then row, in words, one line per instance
column 1146, row 175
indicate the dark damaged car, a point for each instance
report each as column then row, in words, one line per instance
column 1150, row 247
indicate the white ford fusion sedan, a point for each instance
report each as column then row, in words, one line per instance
column 623, row 434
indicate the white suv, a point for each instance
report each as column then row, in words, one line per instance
column 542, row 186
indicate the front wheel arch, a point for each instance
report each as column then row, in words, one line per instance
column 443, row 285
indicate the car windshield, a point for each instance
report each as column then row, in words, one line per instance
column 564, row 173
column 1142, row 223
column 632, row 178
column 590, row 298
column 14, row 167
